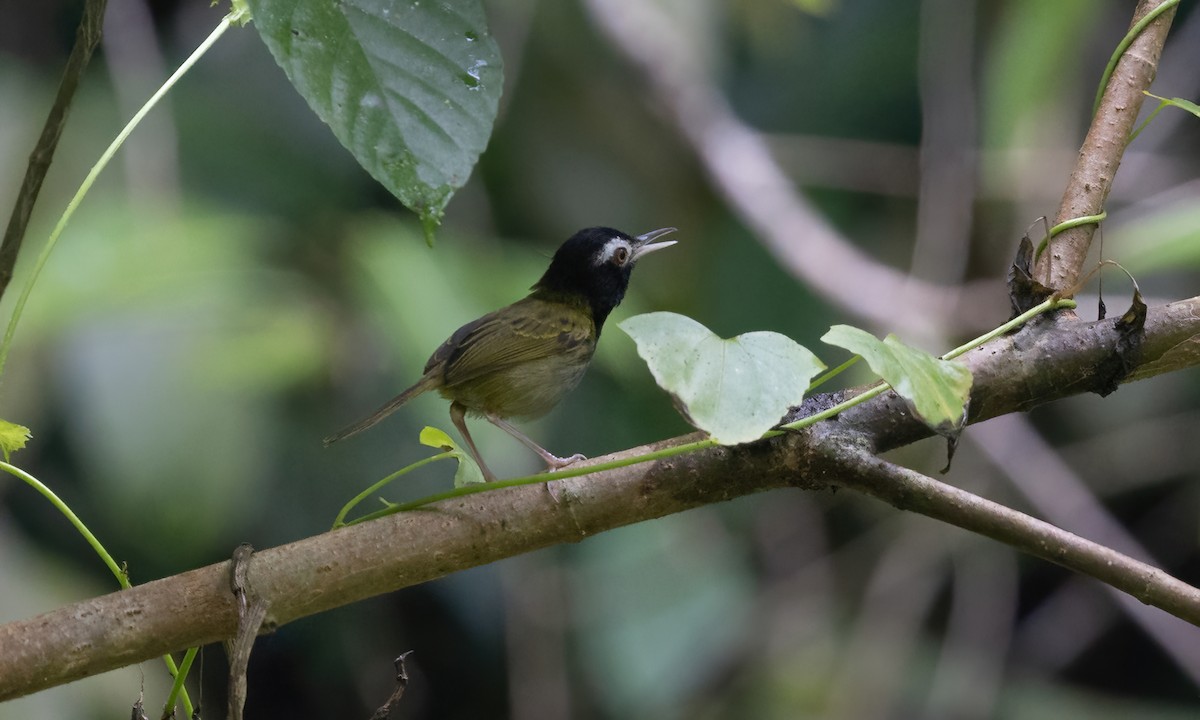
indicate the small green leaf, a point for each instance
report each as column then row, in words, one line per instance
column 937, row 390
column 410, row 88
column 437, row 438
column 468, row 471
column 736, row 389
column 12, row 438
column 1180, row 103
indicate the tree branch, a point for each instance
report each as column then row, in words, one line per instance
column 1100, row 156
column 909, row 490
column 87, row 37
column 350, row 564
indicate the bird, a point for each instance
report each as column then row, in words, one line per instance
column 519, row 361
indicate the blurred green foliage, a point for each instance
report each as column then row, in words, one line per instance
column 236, row 287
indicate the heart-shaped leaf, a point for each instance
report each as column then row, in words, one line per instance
column 937, row 390
column 410, row 88
column 468, row 471
column 735, row 389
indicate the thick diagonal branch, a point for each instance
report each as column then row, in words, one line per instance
column 1050, row 360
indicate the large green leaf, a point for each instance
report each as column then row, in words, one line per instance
column 410, row 88
column 735, row 389
column 937, row 390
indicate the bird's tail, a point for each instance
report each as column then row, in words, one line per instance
column 428, row 382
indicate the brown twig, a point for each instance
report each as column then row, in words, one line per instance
column 1063, row 497
column 385, row 710
column 87, row 37
column 909, row 490
column 1100, row 156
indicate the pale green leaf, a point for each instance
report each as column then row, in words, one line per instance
column 468, row 471
column 410, row 88
column 12, row 438
column 937, row 390
column 735, row 389
column 1186, row 105
column 437, row 438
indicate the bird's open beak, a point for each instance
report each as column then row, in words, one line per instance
column 644, row 246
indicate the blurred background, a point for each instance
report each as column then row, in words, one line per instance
column 236, row 287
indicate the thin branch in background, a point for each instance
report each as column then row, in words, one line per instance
column 1036, row 470
column 861, row 166
column 909, row 490
column 87, row 37
column 884, row 640
column 1064, row 627
column 969, row 674
column 948, row 160
column 891, row 170
column 1069, row 622
column 739, row 162
column 136, row 66
column 537, row 606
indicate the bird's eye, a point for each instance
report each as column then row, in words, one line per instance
column 620, row 255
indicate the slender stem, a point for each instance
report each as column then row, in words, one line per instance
column 341, row 516
column 1078, row 222
column 831, row 374
column 1149, row 118
column 539, row 478
column 177, row 687
column 1122, row 46
column 56, row 501
column 88, row 181
column 118, row 572
column 6, row 344
column 1050, row 304
column 1067, row 225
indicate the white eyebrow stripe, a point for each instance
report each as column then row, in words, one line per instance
column 610, row 247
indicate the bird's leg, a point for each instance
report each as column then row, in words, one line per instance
column 553, row 462
column 458, row 416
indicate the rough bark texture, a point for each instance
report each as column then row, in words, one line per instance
column 1100, row 156
column 1053, row 358
column 1045, row 362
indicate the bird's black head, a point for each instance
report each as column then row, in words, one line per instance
column 594, row 265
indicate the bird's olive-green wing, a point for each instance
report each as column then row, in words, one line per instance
column 530, row 329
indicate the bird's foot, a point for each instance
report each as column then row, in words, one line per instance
column 554, row 462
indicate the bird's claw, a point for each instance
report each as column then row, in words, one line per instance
column 557, row 463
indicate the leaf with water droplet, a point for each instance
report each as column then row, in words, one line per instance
column 411, row 89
